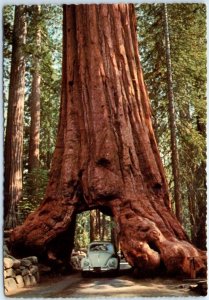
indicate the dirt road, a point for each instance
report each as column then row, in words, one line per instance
column 74, row 286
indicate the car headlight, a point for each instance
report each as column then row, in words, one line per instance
column 112, row 263
column 86, row 263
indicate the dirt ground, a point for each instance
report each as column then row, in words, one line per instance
column 74, row 286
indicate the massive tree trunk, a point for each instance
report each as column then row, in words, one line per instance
column 106, row 155
column 13, row 151
column 172, row 121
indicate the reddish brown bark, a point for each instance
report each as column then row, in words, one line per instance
column 13, row 151
column 33, row 158
column 106, row 155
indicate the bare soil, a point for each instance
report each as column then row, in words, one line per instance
column 74, row 286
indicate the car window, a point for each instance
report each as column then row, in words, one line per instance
column 101, row 247
column 110, row 248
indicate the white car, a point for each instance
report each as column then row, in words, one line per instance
column 101, row 257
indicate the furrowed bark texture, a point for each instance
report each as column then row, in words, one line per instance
column 13, row 151
column 106, row 155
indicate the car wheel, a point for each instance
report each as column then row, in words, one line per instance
column 84, row 274
column 118, row 266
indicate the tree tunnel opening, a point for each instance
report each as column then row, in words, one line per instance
column 92, row 225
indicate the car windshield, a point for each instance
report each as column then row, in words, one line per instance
column 101, row 247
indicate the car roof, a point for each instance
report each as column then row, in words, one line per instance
column 100, row 242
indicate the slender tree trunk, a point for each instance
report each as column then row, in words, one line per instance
column 172, row 120
column 13, row 151
column 92, row 225
column 106, row 155
column 197, row 211
column 192, row 213
column 98, row 224
column 33, row 159
column 201, row 239
column 200, row 180
column 197, row 198
column 114, row 236
column 48, row 154
column 103, row 227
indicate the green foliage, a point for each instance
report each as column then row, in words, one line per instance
column 51, row 72
column 82, row 232
column 102, row 231
column 33, row 191
column 50, row 24
column 187, row 24
column 8, row 20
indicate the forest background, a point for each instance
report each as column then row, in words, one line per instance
column 180, row 128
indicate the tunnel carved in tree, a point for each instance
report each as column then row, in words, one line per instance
column 106, row 156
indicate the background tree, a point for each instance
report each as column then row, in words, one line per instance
column 188, row 53
column 8, row 22
column 34, row 37
column 34, row 98
column 49, row 69
column 88, row 229
column 13, row 151
column 172, row 120
column 49, row 24
column 93, row 225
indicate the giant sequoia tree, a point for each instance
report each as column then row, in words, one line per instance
column 106, row 156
